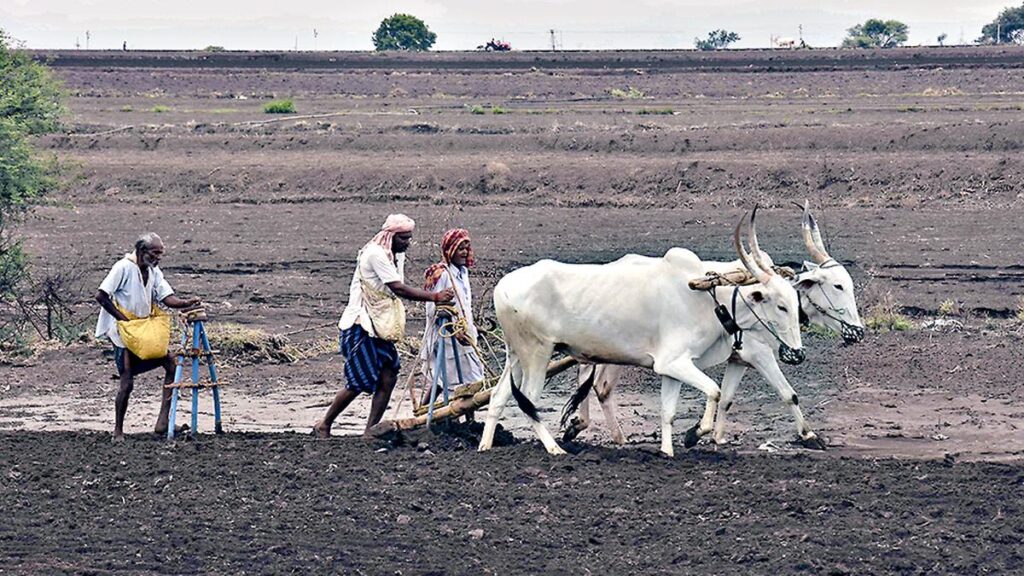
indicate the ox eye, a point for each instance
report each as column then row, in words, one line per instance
column 783, row 308
column 839, row 287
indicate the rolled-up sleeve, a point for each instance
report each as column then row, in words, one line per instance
column 114, row 280
column 161, row 289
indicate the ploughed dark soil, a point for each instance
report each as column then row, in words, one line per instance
column 274, row 504
column 910, row 159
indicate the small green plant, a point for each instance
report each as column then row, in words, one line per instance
column 1020, row 309
column 126, row 108
column 885, row 317
column 498, row 110
column 478, row 110
column 630, row 93
column 279, row 107
column 160, row 109
column 909, row 109
column 213, row 48
column 664, row 111
column 949, row 307
column 817, row 331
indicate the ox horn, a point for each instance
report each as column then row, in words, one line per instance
column 812, row 237
column 762, row 276
column 755, row 248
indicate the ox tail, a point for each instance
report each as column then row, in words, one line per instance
column 579, row 396
column 524, row 403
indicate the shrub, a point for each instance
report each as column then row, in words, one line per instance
column 496, row 178
column 498, row 110
column 630, row 93
column 885, row 316
column 949, row 307
column 875, row 33
column 716, row 40
column 279, row 107
column 213, row 48
column 159, row 109
column 645, row 111
column 478, row 110
column 1020, row 308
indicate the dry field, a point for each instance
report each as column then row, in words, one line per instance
column 910, row 158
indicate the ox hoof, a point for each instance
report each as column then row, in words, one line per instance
column 556, row 451
column 691, row 438
column 814, row 443
column 573, row 430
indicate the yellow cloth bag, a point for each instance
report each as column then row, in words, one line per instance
column 386, row 312
column 146, row 338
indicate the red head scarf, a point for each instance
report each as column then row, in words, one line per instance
column 450, row 242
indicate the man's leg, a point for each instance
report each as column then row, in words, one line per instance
column 381, row 397
column 345, row 396
column 121, row 402
column 165, row 397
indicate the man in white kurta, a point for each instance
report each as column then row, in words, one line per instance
column 134, row 285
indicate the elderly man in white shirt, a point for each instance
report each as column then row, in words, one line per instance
column 371, row 362
column 134, row 284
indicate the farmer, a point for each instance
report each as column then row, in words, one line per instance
column 374, row 320
column 133, row 284
column 454, row 322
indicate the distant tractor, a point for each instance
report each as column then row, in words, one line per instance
column 495, row 46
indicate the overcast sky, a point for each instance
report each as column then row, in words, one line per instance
column 462, row 24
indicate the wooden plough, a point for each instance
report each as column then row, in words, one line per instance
column 464, row 400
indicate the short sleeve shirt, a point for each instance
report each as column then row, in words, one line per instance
column 125, row 287
column 378, row 270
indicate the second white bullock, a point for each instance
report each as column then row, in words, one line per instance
column 636, row 311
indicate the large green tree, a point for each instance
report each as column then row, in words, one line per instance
column 1008, row 27
column 403, row 32
column 875, row 33
column 30, row 103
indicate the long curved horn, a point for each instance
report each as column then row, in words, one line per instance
column 748, row 262
column 812, row 237
column 755, row 248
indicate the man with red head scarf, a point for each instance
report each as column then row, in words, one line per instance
column 371, row 359
column 461, row 363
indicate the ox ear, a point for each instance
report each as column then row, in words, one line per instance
column 756, row 296
column 805, row 284
column 810, row 266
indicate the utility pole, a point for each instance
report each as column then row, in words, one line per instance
column 78, row 44
column 87, row 36
column 296, row 42
column 553, row 45
column 999, row 31
column 315, row 34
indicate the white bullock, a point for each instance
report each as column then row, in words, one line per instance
column 825, row 290
column 635, row 311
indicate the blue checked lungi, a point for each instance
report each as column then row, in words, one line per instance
column 365, row 357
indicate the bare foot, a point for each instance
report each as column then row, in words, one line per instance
column 321, row 431
column 179, row 429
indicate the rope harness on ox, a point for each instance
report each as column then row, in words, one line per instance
column 727, row 317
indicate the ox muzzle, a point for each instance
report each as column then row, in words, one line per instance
column 792, row 356
column 852, row 334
